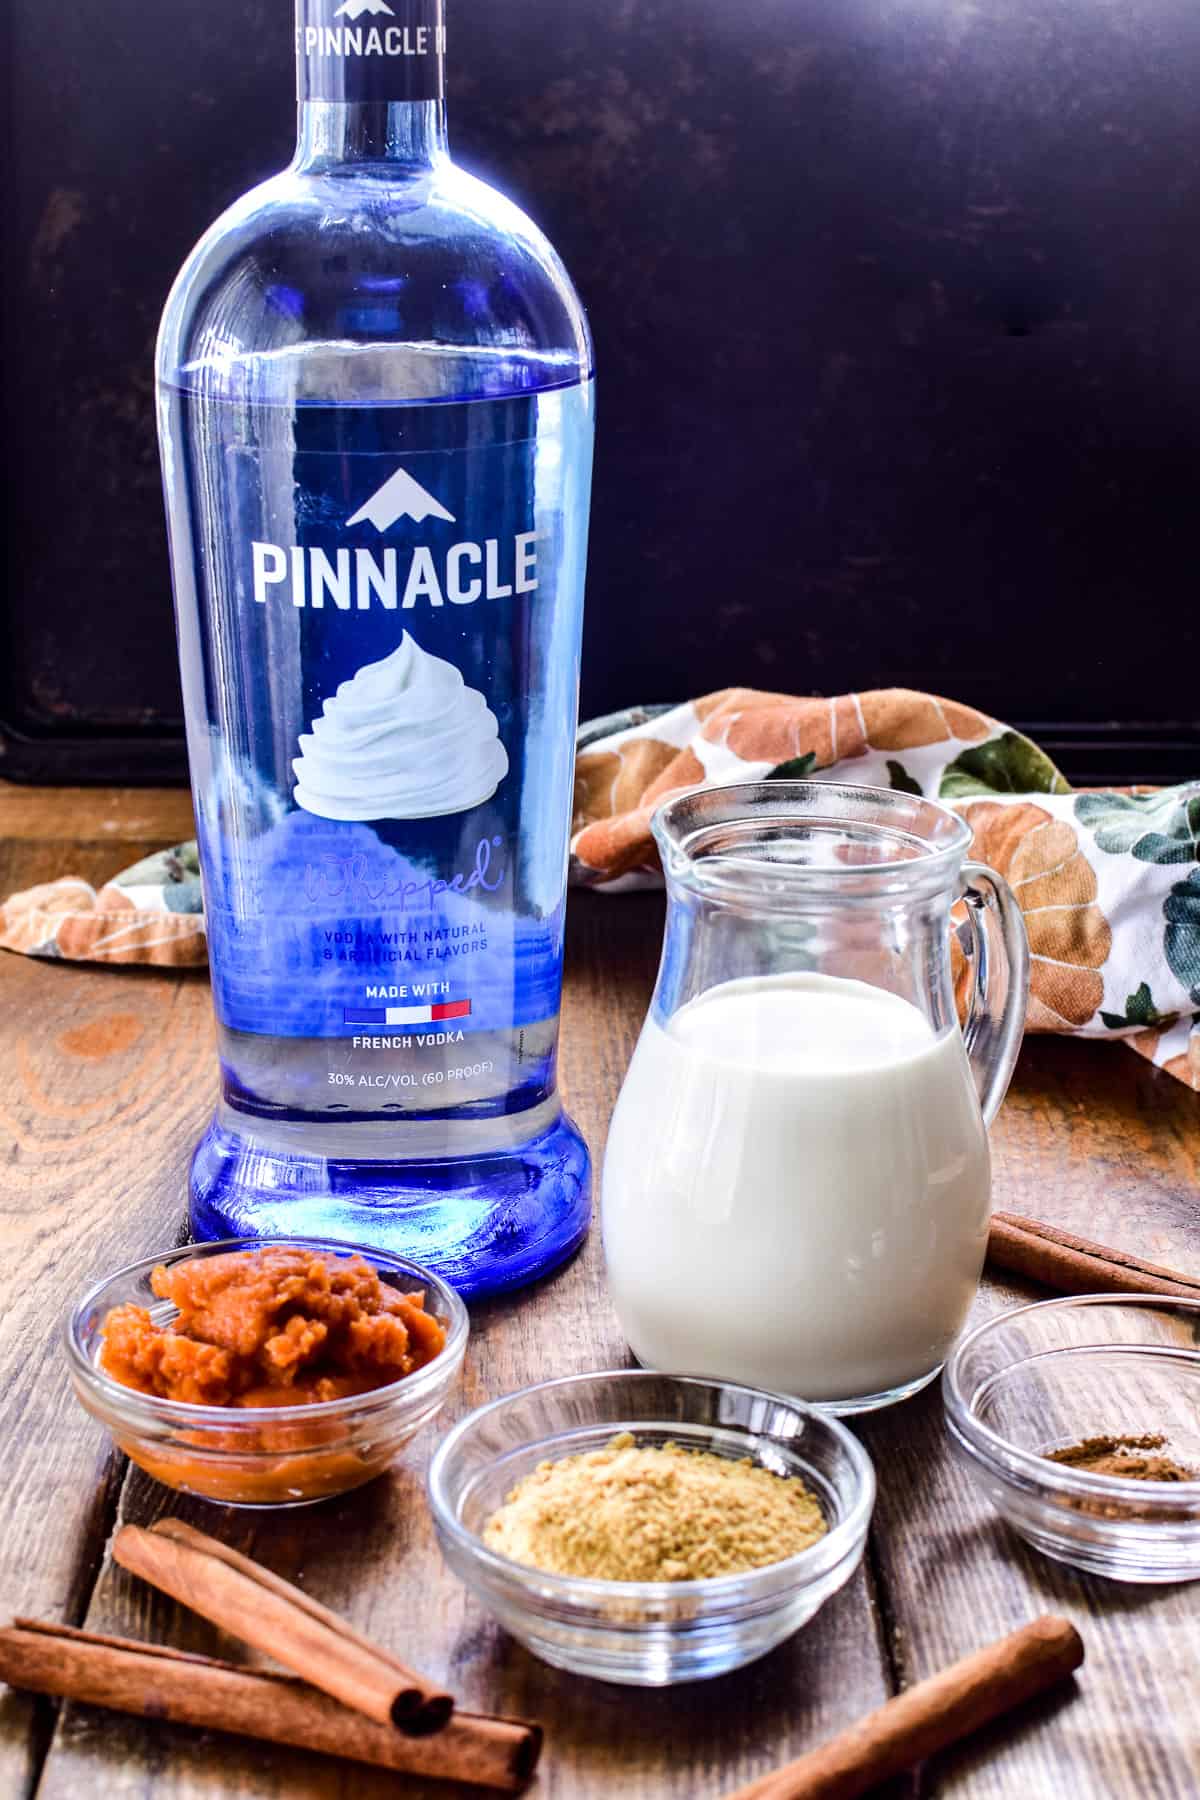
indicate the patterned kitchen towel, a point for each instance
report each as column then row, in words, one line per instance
column 150, row 913
column 1109, row 882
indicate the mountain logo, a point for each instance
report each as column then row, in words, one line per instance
column 354, row 9
column 400, row 497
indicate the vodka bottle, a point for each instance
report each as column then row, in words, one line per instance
column 375, row 413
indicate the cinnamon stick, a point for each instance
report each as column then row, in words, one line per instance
column 1075, row 1265
column 156, row 1683
column 264, row 1610
column 937, row 1712
column 423, row 1705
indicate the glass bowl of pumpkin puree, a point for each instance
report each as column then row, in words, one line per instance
column 262, row 1372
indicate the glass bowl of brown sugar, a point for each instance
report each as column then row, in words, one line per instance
column 1079, row 1419
column 645, row 1474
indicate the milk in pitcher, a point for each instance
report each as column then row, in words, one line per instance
column 796, row 1189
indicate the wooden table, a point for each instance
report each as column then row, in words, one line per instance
column 106, row 1077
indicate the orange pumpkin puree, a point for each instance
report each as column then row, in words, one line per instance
column 271, row 1327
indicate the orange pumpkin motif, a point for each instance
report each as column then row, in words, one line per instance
column 1055, row 885
column 616, row 781
column 775, row 728
column 617, row 789
column 1185, row 1067
column 616, row 792
column 69, row 918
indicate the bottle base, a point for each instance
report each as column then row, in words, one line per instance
column 484, row 1223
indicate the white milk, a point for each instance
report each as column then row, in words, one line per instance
column 796, row 1189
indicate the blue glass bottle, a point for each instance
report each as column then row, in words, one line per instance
column 375, row 412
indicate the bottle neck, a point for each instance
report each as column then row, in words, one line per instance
column 408, row 132
column 370, row 78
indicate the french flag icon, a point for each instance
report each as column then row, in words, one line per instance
column 430, row 1014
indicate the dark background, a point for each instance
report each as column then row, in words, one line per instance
column 897, row 318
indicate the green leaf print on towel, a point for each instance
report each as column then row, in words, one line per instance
column 1140, row 1011
column 1009, row 764
column 1156, row 828
column 175, row 873
column 794, row 769
column 900, row 779
column 1181, row 941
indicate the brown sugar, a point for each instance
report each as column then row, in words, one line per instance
column 278, row 1326
column 630, row 1513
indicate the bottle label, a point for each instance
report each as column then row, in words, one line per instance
column 391, row 683
column 364, row 50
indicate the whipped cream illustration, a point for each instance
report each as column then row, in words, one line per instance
column 404, row 738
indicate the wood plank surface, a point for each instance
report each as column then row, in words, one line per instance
column 105, row 1078
column 129, row 818
column 103, row 1088
column 1093, row 1138
column 92, row 832
column 371, row 1554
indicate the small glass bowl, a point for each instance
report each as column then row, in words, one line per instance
column 264, row 1456
column 649, row 1633
column 1052, row 1375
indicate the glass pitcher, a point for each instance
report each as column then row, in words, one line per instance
column 797, row 1183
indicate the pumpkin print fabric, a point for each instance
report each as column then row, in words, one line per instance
column 1109, row 883
column 1070, row 939
column 150, row 913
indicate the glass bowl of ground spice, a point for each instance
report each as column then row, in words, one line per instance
column 266, row 1373
column 651, row 1529
column 1080, row 1421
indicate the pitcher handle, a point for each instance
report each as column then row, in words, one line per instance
column 1000, row 988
